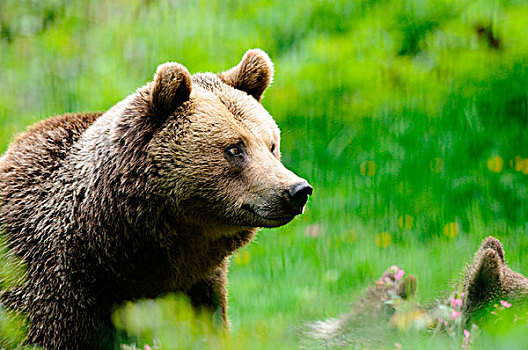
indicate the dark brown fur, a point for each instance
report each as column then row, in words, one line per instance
column 142, row 200
column 489, row 278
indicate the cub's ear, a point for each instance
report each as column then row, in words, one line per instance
column 253, row 74
column 171, row 88
column 493, row 243
column 483, row 278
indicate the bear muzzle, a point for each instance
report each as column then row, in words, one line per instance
column 280, row 207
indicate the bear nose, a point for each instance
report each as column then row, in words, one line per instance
column 298, row 195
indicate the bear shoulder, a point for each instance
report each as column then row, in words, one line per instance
column 46, row 140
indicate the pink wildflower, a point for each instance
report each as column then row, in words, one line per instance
column 311, row 231
column 399, row 274
column 456, row 302
column 505, row 304
column 465, row 343
column 455, row 314
column 146, row 347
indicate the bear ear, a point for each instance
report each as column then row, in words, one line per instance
column 483, row 278
column 493, row 243
column 252, row 75
column 171, row 88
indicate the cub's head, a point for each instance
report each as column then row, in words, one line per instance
column 216, row 153
column 489, row 278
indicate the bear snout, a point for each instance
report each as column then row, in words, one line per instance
column 279, row 206
column 297, row 196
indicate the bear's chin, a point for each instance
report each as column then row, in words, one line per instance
column 276, row 222
column 267, row 220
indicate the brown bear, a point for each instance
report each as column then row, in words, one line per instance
column 488, row 278
column 150, row 197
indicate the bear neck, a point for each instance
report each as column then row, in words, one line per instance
column 128, row 230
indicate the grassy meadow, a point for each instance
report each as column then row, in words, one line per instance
column 408, row 117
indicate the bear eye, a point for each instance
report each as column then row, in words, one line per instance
column 235, row 151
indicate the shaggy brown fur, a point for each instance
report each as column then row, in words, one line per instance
column 488, row 277
column 151, row 197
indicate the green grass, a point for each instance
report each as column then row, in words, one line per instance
column 414, row 109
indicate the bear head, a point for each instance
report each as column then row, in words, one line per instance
column 215, row 151
column 489, row 278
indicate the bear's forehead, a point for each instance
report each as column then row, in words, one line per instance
column 233, row 104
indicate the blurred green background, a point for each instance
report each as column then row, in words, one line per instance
column 409, row 118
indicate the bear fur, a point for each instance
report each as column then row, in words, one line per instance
column 489, row 278
column 150, row 197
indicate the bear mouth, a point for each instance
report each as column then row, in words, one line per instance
column 281, row 219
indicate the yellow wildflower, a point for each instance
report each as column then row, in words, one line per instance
column 243, row 258
column 495, row 164
column 368, row 168
column 451, row 229
column 520, row 164
column 405, row 222
column 383, row 239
